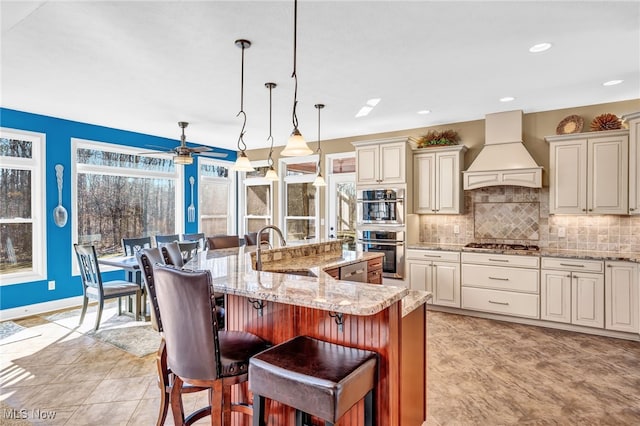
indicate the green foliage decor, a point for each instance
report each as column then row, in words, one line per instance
column 439, row 138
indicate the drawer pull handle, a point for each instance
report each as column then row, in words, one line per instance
column 432, row 255
column 499, row 260
column 569, row 264
column 499, row 279
column 359, row 271
column 499, row 303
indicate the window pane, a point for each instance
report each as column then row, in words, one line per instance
column 298, row 169
column 300, row 229
column 256, row 224
column 16, row 247
column 214, row 170
column 16, row 190
column 98, row 157
column 215, row 198
column 258, row 172
column 16, row 148
column 113, row 207
column 258, row 199
column 301, row 199
column 343, row 165
column 214, row 225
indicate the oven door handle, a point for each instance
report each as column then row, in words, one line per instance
column 379, row 243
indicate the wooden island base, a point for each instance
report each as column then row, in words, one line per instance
column 400, row 343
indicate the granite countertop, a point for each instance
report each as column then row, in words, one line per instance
column 233, row 273
column 544, row 252
column 413, row 300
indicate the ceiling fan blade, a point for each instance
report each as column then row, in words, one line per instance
column 200, row 149
column 155, row 152
column 214, row 154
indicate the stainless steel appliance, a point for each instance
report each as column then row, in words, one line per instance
column 380, row 206
column 390, row 242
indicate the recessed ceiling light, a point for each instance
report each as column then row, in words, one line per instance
column 612, row 82
column 365, row 110
column 507, row 99
column 540, row 47
column 424, row 111
column 373, row 102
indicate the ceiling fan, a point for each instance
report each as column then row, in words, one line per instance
column 182, row 154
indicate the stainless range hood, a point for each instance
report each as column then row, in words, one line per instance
column 504, row 160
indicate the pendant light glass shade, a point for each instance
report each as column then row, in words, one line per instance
column 183, row 159
column 296, row 145
column 271, row 174
column 242, row 163
column 319, row 181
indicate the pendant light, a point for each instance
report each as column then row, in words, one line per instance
column 271, row 173
column 319, row 181
column 242, row 163
column 296, row 145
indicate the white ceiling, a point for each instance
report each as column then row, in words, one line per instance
column 145, row 65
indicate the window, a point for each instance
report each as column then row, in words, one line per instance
column 22, row 211
column 341, row 196
column 256, row 201
column 217, row 197
column 121, row 193
column 299, row 200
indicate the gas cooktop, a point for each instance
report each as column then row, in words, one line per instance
column 498, row 246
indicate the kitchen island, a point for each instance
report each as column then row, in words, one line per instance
column 278, row 306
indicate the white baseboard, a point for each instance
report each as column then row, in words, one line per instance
column 39, row 308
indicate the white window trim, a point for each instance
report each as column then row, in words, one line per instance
column 231, row 180
column 242, row 201
column 296, row 179
column 109, row 170
column 328, row 165
column 36, row 164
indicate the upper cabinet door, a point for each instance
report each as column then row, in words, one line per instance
column 607, row 190
column 633, row 120
column 367, row 160
column 448, row 183
column 568, row 177
column 424, row 167
column 392, row 162
column 437, row 185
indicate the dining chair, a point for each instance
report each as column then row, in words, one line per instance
column 251, row 238
column 163, row 239
column 130, row 246
column 94, row 288
column 199, row 237
column 204, row 356
column 223, row 241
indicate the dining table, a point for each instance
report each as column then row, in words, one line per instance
column 133, row 274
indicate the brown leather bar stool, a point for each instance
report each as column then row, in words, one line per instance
column 199, row 354
column 316, row 378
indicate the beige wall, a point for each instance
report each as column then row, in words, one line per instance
column 535, row 127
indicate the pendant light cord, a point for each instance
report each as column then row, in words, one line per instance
column 241, row 145
column 319, row 150
column 270, row 138
column 294, row 117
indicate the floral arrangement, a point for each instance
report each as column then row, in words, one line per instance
column 439, row 138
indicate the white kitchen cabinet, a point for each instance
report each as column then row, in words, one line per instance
column 502, row 284
column 621, row 296
column 572, row 291
column 435, row 271
column 633, row 121
column 589, row 173
column 436, row 181
column 381, row 162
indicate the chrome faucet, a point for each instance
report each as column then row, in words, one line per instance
column 283, row 243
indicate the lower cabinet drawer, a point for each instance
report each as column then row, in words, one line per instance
column 500, row 302
column 510, row 279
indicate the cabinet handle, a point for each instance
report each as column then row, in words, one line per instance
column 499, row 279
column 431, row 255
column 499, row 260
column 569, row 264
column 590, row 210
column 631, row 210
column 499, row 303
column 584, row 210
column 568, row 276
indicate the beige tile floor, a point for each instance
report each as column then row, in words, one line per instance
column 481, row 372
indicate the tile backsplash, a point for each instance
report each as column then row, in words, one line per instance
column 506, row 214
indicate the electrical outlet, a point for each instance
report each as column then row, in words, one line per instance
column 52, row 285
column 562, row 232
column 456, row 229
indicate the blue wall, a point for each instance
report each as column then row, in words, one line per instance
column 58, row 240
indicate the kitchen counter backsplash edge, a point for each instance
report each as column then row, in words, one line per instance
column 573, row 254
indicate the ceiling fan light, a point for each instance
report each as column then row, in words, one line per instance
column 271, row 174
column 296, row 145
column 242, row 163
column 319, row 181
column 183, row 159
